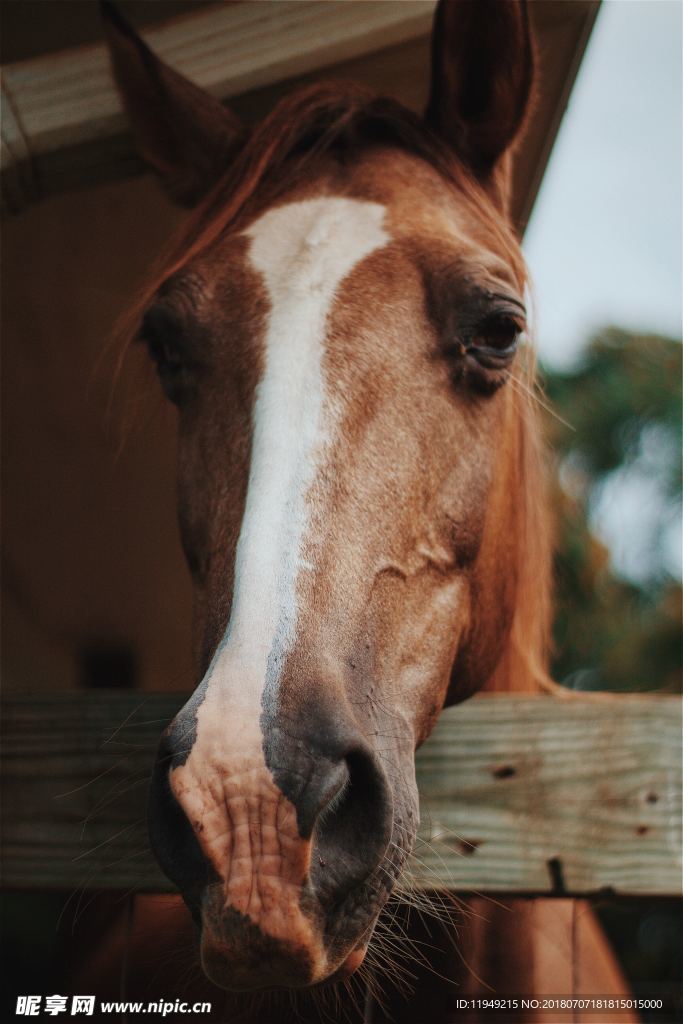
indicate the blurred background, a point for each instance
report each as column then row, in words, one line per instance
column 604, row 250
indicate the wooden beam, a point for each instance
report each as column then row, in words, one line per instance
column 520, row 794
column 63, row 125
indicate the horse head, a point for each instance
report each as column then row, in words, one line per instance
column 339, row 327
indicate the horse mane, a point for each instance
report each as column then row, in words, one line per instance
column 523, row 665
column 339, row 118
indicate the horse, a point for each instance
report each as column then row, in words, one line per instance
column 341, row 326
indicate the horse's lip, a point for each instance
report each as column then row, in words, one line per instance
column 348, row 967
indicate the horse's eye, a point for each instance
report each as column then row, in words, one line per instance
column 494, row 341
column 164, row 345
column 166, row 358
column 170, row 367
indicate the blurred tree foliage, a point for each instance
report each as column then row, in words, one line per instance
column 618, row 420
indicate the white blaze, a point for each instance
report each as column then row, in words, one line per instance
column 303, row 251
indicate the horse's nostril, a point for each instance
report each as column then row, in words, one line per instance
column 333, row 790
column 353, row 831
column 172, row 837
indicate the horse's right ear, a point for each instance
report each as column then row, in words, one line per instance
column 482, row 72
column 181, row 131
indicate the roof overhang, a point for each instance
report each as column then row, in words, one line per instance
column 62, row 125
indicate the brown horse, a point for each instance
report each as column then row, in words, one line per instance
column 340, row 327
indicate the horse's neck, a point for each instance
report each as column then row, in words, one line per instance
column 476, row 947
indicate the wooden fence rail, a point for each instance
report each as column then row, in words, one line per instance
column 520, row 794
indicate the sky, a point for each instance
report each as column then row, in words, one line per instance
column 604, row 241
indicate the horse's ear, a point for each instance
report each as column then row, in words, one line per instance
column 181, row 131
column 482, row 70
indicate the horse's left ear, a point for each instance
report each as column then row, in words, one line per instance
column 181, row 131
column 482, row 70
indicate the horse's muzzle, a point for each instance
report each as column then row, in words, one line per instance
column 277, row 848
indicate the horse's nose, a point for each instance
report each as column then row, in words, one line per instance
column 317, row 763
column 335, row 780
column 268, row 824
column 172, row 837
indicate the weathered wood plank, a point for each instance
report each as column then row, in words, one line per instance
column 519, row 794
column 543, row 794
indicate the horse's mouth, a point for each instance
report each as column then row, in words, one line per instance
column 269, row 966
column 326, row 949
column 240, row 956
column 350, row 965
